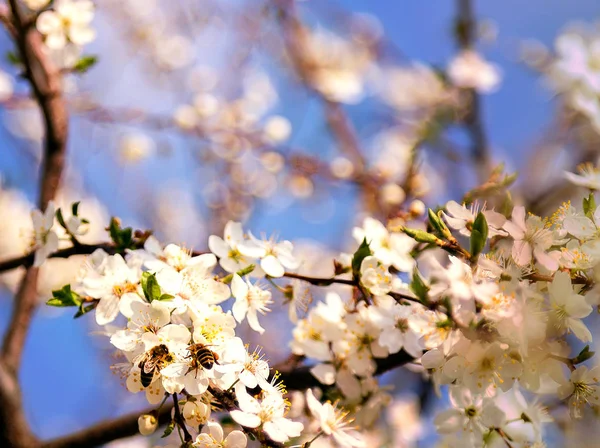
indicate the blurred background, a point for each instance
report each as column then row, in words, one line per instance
column 298, row 119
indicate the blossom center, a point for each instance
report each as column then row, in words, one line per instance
column 470, row 412
column 128, row 287
column 402, row 325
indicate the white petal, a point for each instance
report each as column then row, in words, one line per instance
column 217, row 246
column 521, row 252
column 580, row 330
column 245, row 419
column 275, row 432
column 236, row 439
column 48, row 22
column 215, row 430
column 252, row 319
column 125, row 340
column 239, row 309
column 107, row 309
column 325, row 373
column 239, row 288
column 272, row 266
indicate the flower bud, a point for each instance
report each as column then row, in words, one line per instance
column 392, row 194
column 341, row 168
column 147, row 423
column 196, row 412
column 417, row 208
column 186, row 117
column 277, row 129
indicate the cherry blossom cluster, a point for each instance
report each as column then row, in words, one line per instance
column 572, row 69
column 66, row 27
column 178, row 333
column 179, row 341
column 482, row 303
column 484, row 325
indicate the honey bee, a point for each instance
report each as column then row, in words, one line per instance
column 201, row 356
column 152, row 361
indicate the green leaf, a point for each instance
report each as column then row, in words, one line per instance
column 85, row 309
column 589, row 205
column 418, row 286
column 151, row 287
column 166, row 297
column 85, row 63
column 75, row 208
column 169, row 429
column 13, row 58
column 60, row 218
column 227, row 420
column 361, row 253
column 64, row 297
column 583, row 355
column 479, row 234
column 123, row 238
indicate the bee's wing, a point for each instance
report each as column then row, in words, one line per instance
column 139, row 359
column 150, row 364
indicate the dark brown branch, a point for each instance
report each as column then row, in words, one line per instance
column 301, row 378
column 180, row 421
column 343, row 131
column 577, row 280
column 320, row 281
column 14, row 429
column 80, row 249
column 45, row 81
column 107, row 431
column 24, row 307
column 324, row 281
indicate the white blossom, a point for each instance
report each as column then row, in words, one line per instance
column 469, row 70
column 567, row 308
column 581, row 388
column 249, row 300
column 45, row 239
column 268, row 413
column 333, row 422
column 68, row 21
column 212, row 437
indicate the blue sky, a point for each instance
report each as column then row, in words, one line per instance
column 65, row 379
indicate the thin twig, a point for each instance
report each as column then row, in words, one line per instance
column 180, row 421
column 466, row 29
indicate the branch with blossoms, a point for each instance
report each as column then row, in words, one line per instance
column 45, row 81
column 483, row 303
column 459, row 317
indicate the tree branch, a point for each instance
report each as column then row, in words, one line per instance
column 14, row 428
column 45, row 81
column 465, row 30
column 80, row 249
column 180, row 421
column 301, row 378
column 109, row 430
